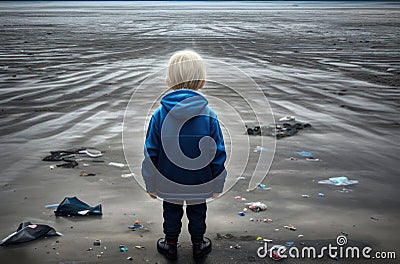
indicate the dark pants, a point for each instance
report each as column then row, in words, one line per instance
column 196, row 214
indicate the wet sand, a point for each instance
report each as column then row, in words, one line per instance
column 67, row 73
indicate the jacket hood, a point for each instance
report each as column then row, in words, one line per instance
column 184, row 103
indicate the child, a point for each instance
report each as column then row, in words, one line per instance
column 184, row 154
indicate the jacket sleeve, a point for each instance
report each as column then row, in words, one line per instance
column 218, row 163
column 151, row 154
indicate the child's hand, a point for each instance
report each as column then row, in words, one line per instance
column 153, row 195
column 215, row 195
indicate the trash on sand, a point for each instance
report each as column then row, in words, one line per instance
column 85, row 174
column 259, row 238
column 285, row 127
column 339, row 181
column 259, row 149
column 289, row 243
column 68, row 164
column 374, row 218
column 321, row 194
column 59, row 155
column 139, row 247
column 128, row 175
column 27, row 231
column 312, row 159
column 305, row 196
column 116, row 164
column 136, row 225
column 51, row 206
column 74, row 206
column 129, row 258
column 240, row 198
column 52, row 167
column 267, row 220
column 344, row 190
column 89, row 249
column 307, row 154
column 241, row 214
column 97, row 242
column 251, row 219
column 241, row 178
column 237, row 246
column 257, row 206
column 276, row 252
column 122, row 248
column 290, row 227
column 293, row 158
column 287, row 118
column 91, row 152
column 300, row 235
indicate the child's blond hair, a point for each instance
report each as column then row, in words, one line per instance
column 186, row 69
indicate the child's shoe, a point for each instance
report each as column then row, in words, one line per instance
column 201, row 249
column 168, row 249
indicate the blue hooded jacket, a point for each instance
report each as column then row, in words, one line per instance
column 184, row 145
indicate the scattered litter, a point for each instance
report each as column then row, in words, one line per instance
column 344, row 190
column 241, row 214
column 244, row 210
column 89, row 249
column 73, row 206
column 85, row 165
column 263, row 186
column 259, row 238
column 374, row 218
column 241, row 178
column 312, row 159
column 276, row 229
column 321, row 194
column 300, row 235
column 52, row 167
column 305, row 196
column 27, row 231
column 289, row 243
column 85, row 174
column 237, row 246
column 287, row 118
column 59, row 155
column 128, row 175
column 122, row 248
column 276, row 251
column 51, row 206
column 307, row 154
column 251, row 219
column 97, row 242
column 290, row 227
column 259, row 149
column 339, row 181
column 136, row 225
column 240, row 198
column 91, row 152
column 267, row 220
column 139, row 247
column 285, row 127
column 68, row 164
column 257, row 206
column 116, row 164
column 129, row 258
column 293, row 158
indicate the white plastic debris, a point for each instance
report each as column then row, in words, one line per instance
column 116, row 164
column 339, row 181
